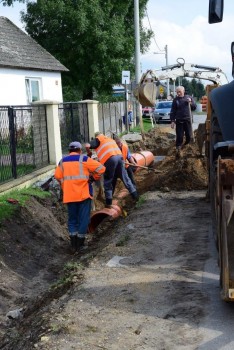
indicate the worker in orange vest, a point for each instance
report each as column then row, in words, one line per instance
column 110, row 156
column 75, row 173
column 127, row 157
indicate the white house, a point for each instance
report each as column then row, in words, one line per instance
column 28, row 72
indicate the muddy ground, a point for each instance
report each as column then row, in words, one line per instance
column 138, row 285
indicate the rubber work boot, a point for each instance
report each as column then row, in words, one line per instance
column 178, row 153
column 73, row 240
column 108, row 203
column 135, row 196
column 81, row 244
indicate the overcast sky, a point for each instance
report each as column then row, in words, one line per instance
column 183, row 26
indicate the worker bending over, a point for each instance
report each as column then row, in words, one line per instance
column 127, row 157
column 75, row 173
column 110, row 156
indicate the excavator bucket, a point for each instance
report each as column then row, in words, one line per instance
column 146, row 92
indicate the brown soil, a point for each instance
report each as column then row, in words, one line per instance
column 65, row 301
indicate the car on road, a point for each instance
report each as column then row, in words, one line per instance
column 147, row 112
column 162, row 111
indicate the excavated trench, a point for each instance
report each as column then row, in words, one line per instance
column 36, row 268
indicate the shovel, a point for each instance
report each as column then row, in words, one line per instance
column 144, row 167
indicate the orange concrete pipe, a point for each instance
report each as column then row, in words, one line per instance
column 98, row 216
column 143, row 158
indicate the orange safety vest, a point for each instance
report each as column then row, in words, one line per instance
column 125, row 153
column 73, row 172
column 106, row 149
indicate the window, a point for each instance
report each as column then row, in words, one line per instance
column 33, row 89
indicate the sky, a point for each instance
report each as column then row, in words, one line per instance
column 183, row 26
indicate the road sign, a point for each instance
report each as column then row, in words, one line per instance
column 161, row 90
column 125, row 77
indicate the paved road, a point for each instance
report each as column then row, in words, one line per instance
column 218, row 325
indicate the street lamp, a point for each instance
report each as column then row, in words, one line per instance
column 166, row 57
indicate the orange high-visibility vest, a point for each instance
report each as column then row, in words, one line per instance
column 73, row 172
column 106, row 149
column 125, row 153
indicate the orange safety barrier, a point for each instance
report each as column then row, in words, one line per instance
column 203, row 102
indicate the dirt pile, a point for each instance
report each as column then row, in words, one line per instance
column 158, row 141
column 186, row 173
column 189, row 172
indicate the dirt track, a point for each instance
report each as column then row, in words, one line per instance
column 148, row 281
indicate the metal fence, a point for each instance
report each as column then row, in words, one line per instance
column 23, row 140
column 74, row 126
column 111, row 117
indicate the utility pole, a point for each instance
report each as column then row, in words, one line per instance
column 137, row 56
column 168, row 80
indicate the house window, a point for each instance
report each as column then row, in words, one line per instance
column 33, row 89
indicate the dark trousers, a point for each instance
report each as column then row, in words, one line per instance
column 183, row 127
column 79, row 217
column 115, row 169
column 130, row 172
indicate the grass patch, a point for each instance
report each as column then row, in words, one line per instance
column 123, row 240
column 21, row 196
column 72, row 266
column 6, row 171
column 141, row 200
column 146, row 124
column 70, row 270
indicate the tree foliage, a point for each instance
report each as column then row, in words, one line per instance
column 192, row 87
column 94, row 39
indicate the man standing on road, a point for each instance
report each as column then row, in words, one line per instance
column 181, row 118
column 110, row 156
column 75, row 173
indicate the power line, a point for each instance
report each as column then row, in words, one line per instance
column 153, row 32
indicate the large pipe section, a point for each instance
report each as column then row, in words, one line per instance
column 143, row 158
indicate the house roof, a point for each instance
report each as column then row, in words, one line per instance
column 18, row 50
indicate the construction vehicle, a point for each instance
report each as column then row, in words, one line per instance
column 219, row 150
column 220, row 145
column 147, row 91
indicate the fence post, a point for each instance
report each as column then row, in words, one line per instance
column 92, row 107
column 53, row 127
column 12, row 133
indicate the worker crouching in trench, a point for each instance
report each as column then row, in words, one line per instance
column 127, row 157
column 76, row 173
column 110, row 156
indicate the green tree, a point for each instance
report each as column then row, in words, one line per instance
column 200, row 90
column 192, row 87
column 94, row 39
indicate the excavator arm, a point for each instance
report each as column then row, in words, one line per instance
column 147, row 92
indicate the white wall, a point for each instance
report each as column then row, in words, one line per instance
column 13, row 90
